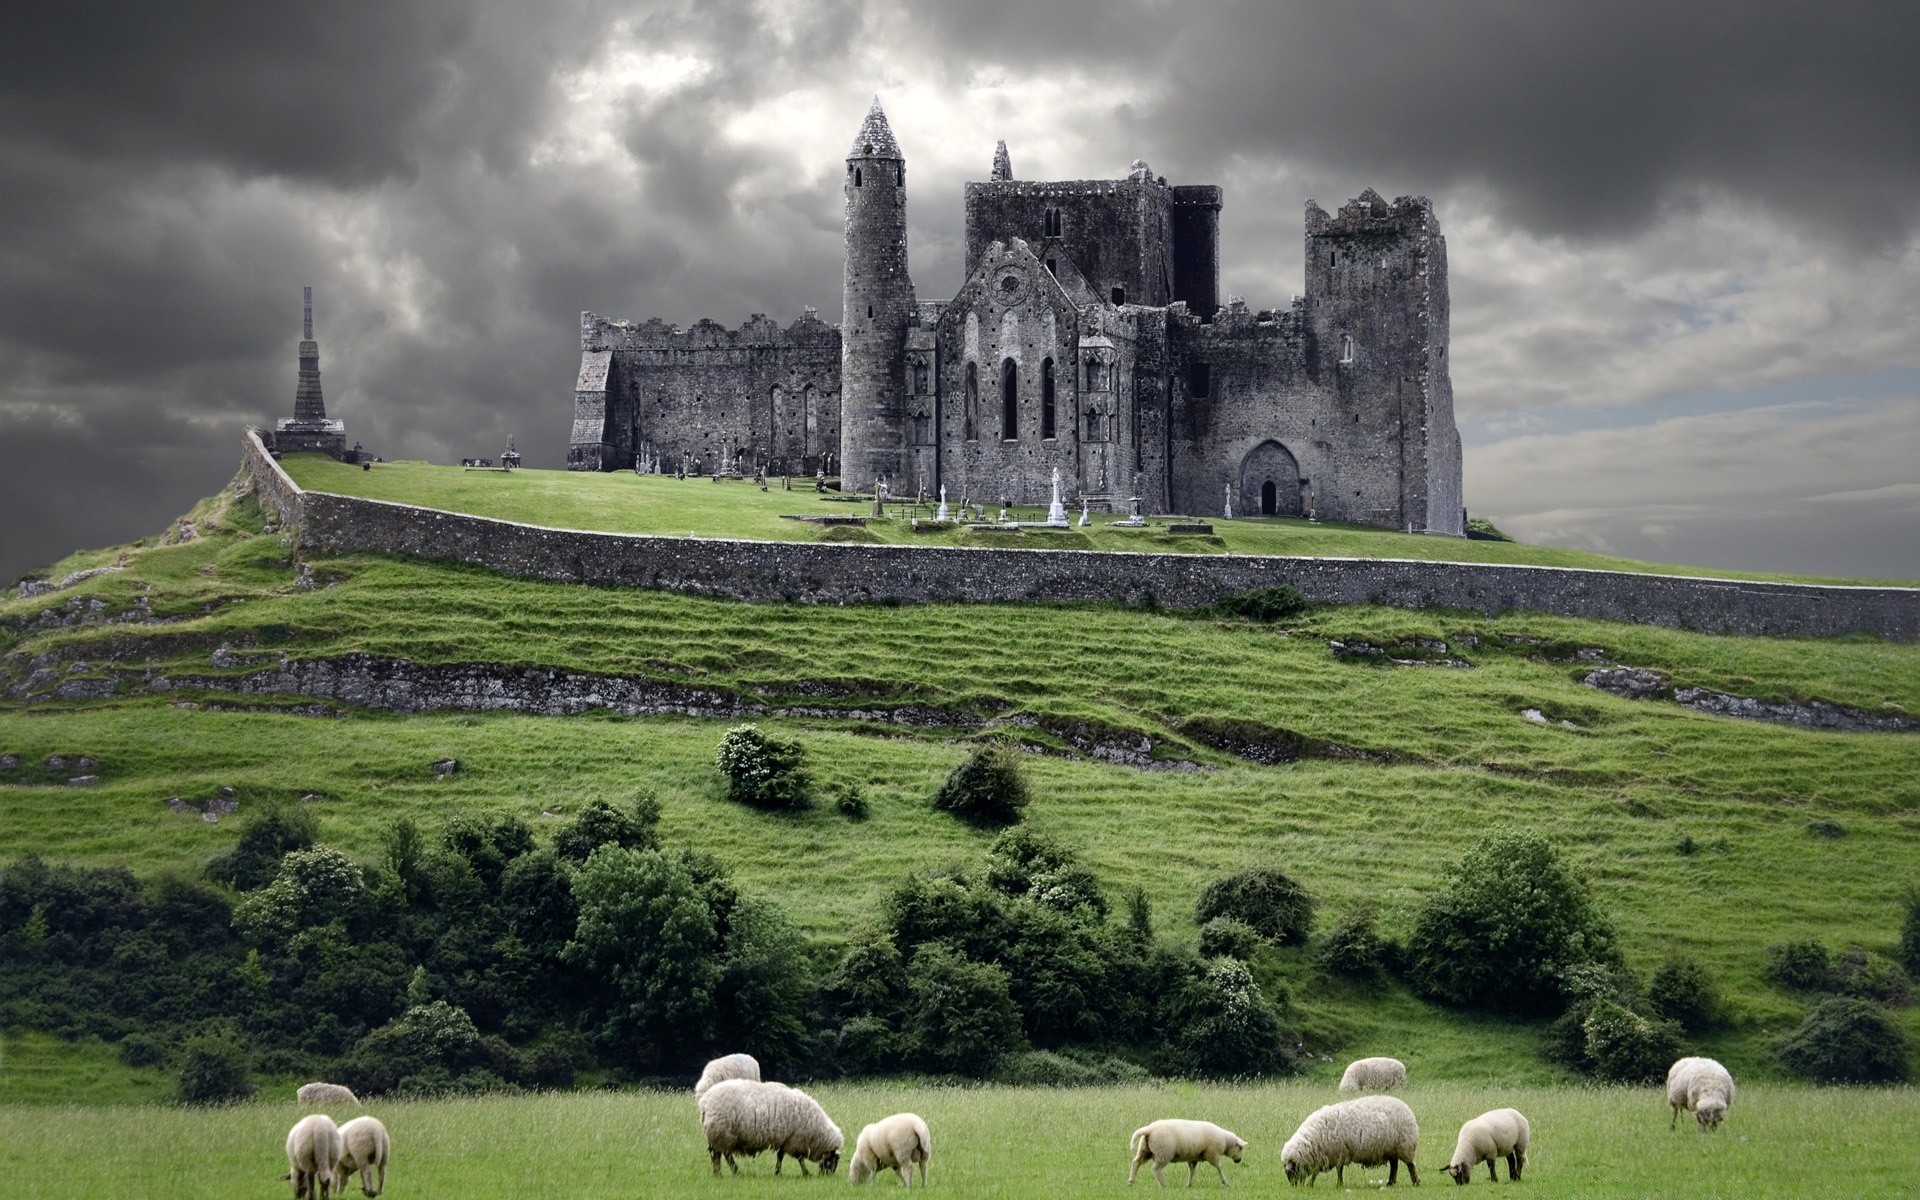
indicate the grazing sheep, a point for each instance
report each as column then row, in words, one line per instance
column 317, row 1095
column 733, row 1066
column 745, row 1116
column 898, row 1141
column 1488, row 1138
column 313, row 1155
column 1373, row 1075
column 364, row 1146
column 1189, row 1142
column 1367, row 1132
column 1701, row 1086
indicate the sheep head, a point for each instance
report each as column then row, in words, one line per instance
column 1234, row 1148
column 1461, row 1172
column 1710, row 1113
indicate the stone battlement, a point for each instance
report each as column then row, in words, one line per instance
column 597, row 333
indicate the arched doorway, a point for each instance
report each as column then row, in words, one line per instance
column 1270, row 482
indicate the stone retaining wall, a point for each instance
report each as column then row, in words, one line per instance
column 827, row 572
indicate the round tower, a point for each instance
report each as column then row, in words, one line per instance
column 879, row 308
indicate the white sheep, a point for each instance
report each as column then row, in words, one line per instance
column 1488, row 1138
column 745, row 1116
column 1190, row 1142
column 316, row 1095
column 899, row 1141
column 1368, row 1132
column 364, row 1146
column 733, row 1066
column 1373, row 1075
column 313, row 1155
column 1701, row 1086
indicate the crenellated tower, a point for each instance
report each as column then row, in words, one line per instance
column 879, row 309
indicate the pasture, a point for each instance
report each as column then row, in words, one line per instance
column 1779, row 1141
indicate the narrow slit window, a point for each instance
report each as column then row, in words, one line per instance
column 973, row 397
column 1046, row 398
column 1346, row 347
column 1009, row 400
column 856, row 177
column 1119, row 295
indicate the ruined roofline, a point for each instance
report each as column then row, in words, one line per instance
column 601, row 333
column 1369, row 213
column 1068, row 187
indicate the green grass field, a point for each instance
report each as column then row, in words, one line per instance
column 622, row 502
column 1002, row 1142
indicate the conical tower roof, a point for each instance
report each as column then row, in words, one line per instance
column 875, row 139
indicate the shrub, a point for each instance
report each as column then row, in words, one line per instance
column 868, row 1046
column 1860, row 972
column 1803, row 966
column 1482, row 530
column 265, row 838
column 1624, row 1047
column 1024, row 862
column 1048, row 1068
column 601, row 824
column 1510, row 923
column 851, row 804
column 1353, row 947
column 139, row 1050
column 213, row 1070
column 1684, row 992
column 425, row 1049
column 1228, row 937
column 1279, row 909
column 1265, row 604
column 313, row 887
column 961, row 1013
column 1826, row 827
column 987, row 788
column 762, row 771
column 1225, row 1025
column 1847, row 1040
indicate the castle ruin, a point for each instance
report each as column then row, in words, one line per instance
column 1088, row 336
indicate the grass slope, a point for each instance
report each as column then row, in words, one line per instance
column 622, row 502
column 1620, row 796
column 1779, row 1141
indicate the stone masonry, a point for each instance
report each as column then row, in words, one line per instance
column 1088, row 336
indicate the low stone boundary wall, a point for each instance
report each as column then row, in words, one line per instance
column 830, row 572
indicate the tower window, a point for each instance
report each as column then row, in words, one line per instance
column 1046, row 398
column 869, row 312
column 869, row 148
column 1052, row 267
column 1199, row 379
column 1093, row 424
column 973, row 397
column 920, row 376
column 1333, row 259
column 1009, row 400
column 1346, row 347
column 856, row 177
column 1051, row 223
column 1119, row 295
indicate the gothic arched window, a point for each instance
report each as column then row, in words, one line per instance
column 973, row 397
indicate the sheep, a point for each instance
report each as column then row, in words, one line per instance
column 364, row 1146
column 1489, row 1137
column 1373, row 1075
column 733, row 1066
column 898, row 1141
column 745, row 1116
column 1702, row 1087
column 1189, row 1142
column 1368, row 1131
column 314, row 1095
column 313, row 1154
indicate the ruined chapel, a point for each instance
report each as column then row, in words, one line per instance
column 1088, row 336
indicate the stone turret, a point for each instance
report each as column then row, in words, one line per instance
column 879, row 309
column 309, row 429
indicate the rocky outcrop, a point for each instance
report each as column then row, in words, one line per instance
column 1644, row 683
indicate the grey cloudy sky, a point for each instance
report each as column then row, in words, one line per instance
column 1684, row 239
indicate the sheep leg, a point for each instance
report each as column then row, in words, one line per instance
column 1493, row 1170
column 1215, row 1160
column 779, row 1156
column 1393, row 1171
column 905, row 1172
column 1674, row 1121
column 1515, row 1161
column 1157, row 1164
column 1138, row 1158
column 1413, row 1173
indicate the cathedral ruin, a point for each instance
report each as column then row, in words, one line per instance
column 1088, row 336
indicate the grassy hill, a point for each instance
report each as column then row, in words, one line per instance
column 1705, row 834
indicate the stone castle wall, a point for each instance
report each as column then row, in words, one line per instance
column 828, row 573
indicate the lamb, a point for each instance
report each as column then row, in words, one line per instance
column 1489, row 1137
column 745, row 1116
column 364, row 1146
column 733, row 1066
column 313, row 1154
column 898, row 1141
column 1373, row 1075
column 1189, row 1142
column 1368, row 1131
column 316, row 1095
column 1702, row 1087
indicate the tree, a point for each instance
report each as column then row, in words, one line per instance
column 265, row 838
column 1265, row 898
column 312, row 887
column 1510, row 923
column 962, row 1017
column 601, row 824
column 1224, row 1025
column 646, row 933
column 763, row 771
column 987, row 788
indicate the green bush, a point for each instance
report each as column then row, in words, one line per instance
column 1224, row 1025
column 1025, row 863
column 764, row 772
column 1354, row 947
column 139, row 1050
column 601, row 824
column 1910, row 933
column 1279, row 909
column 1847, row 1040
column 1480, row 529
column 961, row 1013
column 265, row 837
column 1228, row 937
column 1511, row 922
column 426, row 1049
column 1048, row 1068
column 1624, row 1047
column 851, row 804
column 1265, row 604
column 1860, row 972
column 1803, row 966
column 868, row 1045
column 213, row 1070
column 1683, row 991
column 987, row 788
column 312, row 888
